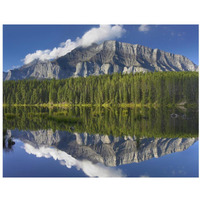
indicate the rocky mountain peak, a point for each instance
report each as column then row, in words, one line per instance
column 106, row 58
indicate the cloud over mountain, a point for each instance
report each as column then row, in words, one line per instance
column 94, row 35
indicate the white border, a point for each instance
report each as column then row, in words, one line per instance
column 97, row 12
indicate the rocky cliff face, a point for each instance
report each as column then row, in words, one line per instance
column 106, row 58
column 109, row 150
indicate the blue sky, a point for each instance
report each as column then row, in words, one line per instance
column 21, row 40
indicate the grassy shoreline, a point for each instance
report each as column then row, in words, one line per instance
column 123, row 105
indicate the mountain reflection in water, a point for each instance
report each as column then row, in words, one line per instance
column 89, row 152
column 112, row 142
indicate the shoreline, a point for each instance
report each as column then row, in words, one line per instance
column 105, row 105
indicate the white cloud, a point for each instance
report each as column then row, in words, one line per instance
column 90, row 169
column 100, row 34
column 144, row 28
column 94, row 35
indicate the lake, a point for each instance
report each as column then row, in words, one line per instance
column 100, row 142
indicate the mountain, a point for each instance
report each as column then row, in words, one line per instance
column 106, row 58
column 108, row 150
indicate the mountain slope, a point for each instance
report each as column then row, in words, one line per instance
column 106, row 58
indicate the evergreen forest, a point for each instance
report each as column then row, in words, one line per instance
column 158, row 88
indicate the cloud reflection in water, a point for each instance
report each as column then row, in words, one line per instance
column 89, row 168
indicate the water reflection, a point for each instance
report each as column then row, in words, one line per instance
column 147, row 122
column 89, row 168
column 104, row 142
column 75, row 149
column 7, row 141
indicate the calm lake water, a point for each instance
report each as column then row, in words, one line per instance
column 99, row 142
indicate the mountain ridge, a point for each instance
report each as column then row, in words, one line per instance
column 105, row 58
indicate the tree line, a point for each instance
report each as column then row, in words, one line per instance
column 160, row 88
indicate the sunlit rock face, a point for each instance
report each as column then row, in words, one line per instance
column 106, row 58
column 109, row 150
